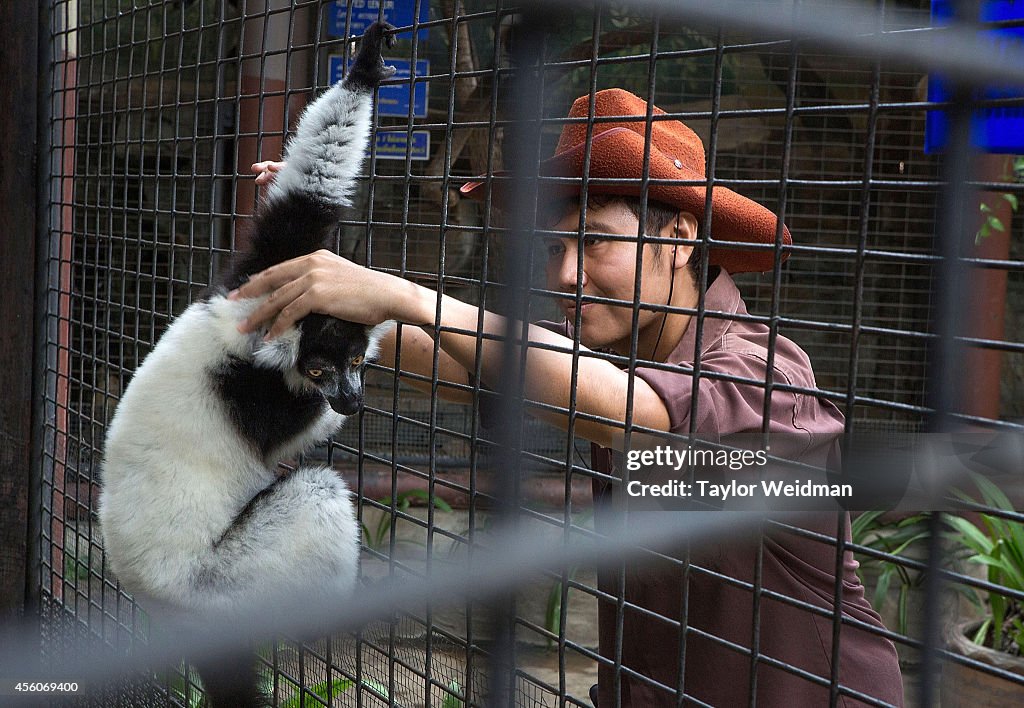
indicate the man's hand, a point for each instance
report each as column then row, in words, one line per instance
column 325, row 283
column 266, row 171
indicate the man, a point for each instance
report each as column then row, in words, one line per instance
column 793, row 649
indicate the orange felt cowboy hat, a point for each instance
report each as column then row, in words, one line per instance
column 677, row 153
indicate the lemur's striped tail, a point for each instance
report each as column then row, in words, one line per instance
column 324, row 156
column 326, row 152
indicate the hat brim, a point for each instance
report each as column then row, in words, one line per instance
column 616, row 162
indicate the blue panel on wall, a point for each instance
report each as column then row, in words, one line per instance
column 995, row 130
column 400, row 13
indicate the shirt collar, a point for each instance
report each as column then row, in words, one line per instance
column 722, row 302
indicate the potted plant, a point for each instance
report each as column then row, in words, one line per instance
column 996, row 638
column 898, row 536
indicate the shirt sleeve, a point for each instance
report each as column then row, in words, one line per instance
column 723, row 406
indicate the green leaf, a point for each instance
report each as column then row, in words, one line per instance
column 983, row 233
column 982, row 632
column 972, row 596
column 1012, row 199
column 326, row 691
column 185, row 686
column 417, row 493
column 1018, row 635
column 553, row 611
column 882, row 586
column 378, row 687
column 970, row 535
column 991, row 493
column 1008, row 572
column 910, row 541
column 1013, row 575
column 401, row 503
column 863, row 525
column 1011, row 531
column 383, row 526
column 998, row 604
column 423, row 495
column 996, row 224
column 452, row 700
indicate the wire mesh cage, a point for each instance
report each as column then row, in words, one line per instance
column 154, row 112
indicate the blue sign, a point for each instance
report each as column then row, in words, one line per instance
column 393, row 99
column 393, row 144
column 400, row 13
column 995, row 130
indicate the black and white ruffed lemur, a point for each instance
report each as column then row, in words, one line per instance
column 195, row 519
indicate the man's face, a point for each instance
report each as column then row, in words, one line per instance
column 609, row 271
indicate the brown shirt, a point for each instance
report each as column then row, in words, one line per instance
column 717, row 608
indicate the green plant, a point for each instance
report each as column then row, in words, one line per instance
column 895, row 537
column 998, row 546
column 377, row 539
column 184, row 687
column 451, row 698
column 553, row 612
column 483, row 525
column 75, row 567
column 327, row 691
column 991, row 222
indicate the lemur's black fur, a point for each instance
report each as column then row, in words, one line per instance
column 265, row 410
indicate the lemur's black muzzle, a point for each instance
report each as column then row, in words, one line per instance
column 346, row 404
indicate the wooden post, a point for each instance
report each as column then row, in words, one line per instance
column 987, row 294
column 19, row 56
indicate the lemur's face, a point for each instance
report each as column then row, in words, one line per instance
column 331, row 359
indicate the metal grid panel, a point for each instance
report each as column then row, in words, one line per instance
column 152, row 116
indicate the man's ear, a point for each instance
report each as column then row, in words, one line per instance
column 684, row 229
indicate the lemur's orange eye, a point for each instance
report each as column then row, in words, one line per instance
column 358, row 360
column 315, row 373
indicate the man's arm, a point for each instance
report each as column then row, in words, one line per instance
column 326, row 283
column 602, row 389
column 417, row 364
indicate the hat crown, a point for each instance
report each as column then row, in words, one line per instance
column 675, row 173
column 672, row 138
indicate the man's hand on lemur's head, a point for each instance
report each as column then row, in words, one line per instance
column 369, row 69
column 266, row 171
column 325, row 283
